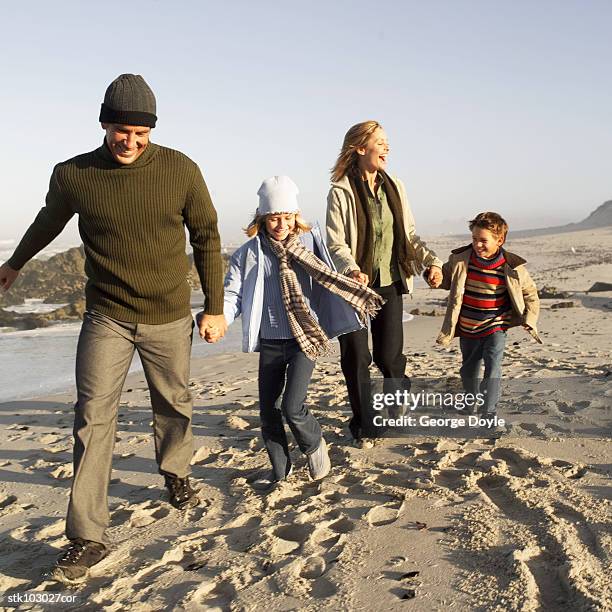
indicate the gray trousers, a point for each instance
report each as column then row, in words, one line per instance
column 104, row 354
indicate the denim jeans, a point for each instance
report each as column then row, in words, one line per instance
column 475, row 351
column 387, row 347
column 284, row 367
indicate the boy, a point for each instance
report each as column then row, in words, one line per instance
column 490, row 291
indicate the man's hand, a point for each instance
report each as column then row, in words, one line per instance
column 7, row 276
column 211, row 327
column 434, row 277
column 360, row 277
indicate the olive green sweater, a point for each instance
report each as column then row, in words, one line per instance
column 131, row 220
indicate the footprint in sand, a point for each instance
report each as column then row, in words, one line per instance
column 236, row 422
column 216, row 596
column 201, row 454
column 518, row 463
column 51, row 531
column 199, row 595
column 62, row 472
column 288, row 538
column 144, row 516
column 449, row 479
column 343, row 525
column 58, row 448
column 382, row 515
column 314, row 567
column 570, row 470
column 49, row 439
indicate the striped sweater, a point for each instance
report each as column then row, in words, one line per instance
column 486, row 306
column 132, row 221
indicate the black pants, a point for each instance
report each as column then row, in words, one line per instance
column 387, row 344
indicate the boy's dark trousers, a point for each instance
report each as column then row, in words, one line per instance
column 282, row 365
column 490, row 351
column 355, row 358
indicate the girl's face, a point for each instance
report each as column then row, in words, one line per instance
column 373, row 157
column 485, row 243
column 280, row 226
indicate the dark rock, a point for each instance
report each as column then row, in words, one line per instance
column 59, row 279
column 600, row 287
column 563, row 305
column 430, row 313
column 551, row 293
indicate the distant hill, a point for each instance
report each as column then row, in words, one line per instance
column 600, row 217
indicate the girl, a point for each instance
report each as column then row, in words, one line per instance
column 289, row 318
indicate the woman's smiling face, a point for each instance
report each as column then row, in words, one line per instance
column 373, row 157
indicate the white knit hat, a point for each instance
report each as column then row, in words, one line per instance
column 278, row 194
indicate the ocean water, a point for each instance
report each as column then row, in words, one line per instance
column 41, row 361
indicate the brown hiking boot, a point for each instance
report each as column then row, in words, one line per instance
column 182, row 495
column 73, row 565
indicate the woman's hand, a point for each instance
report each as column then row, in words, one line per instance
column 360, row 277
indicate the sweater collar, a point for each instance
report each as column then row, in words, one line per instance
column 147, row 156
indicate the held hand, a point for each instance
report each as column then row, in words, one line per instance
column 360, row 277
column 7, row 276
column 211, row 327
column 434, row 277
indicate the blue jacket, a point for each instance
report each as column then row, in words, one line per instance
column 244, row 292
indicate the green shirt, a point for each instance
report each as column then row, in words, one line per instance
column 384, row 264
column 132, row 221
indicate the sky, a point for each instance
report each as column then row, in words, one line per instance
column 488, row 105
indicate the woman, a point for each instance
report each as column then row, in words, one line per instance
column 292, row 301
column 371, row 237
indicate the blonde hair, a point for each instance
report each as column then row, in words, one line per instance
column 258, row 224
column 491, row 221
column 356, row 138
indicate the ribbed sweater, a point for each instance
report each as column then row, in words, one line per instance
column 132, row 221
column 486, row 306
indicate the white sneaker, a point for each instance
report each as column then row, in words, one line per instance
column 363, row 443
column 318, row 462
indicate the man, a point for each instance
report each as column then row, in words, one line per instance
column 133, row 199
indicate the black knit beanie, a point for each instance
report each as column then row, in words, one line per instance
column 129, row 101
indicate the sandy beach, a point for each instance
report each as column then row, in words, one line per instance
column 422, row 523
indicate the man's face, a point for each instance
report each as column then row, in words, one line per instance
column 126, row 142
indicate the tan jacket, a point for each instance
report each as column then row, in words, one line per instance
column 521, row 289
column 342, row 229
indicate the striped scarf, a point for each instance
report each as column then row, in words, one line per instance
column 308, row 333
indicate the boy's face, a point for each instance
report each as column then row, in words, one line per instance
column 485, row 243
